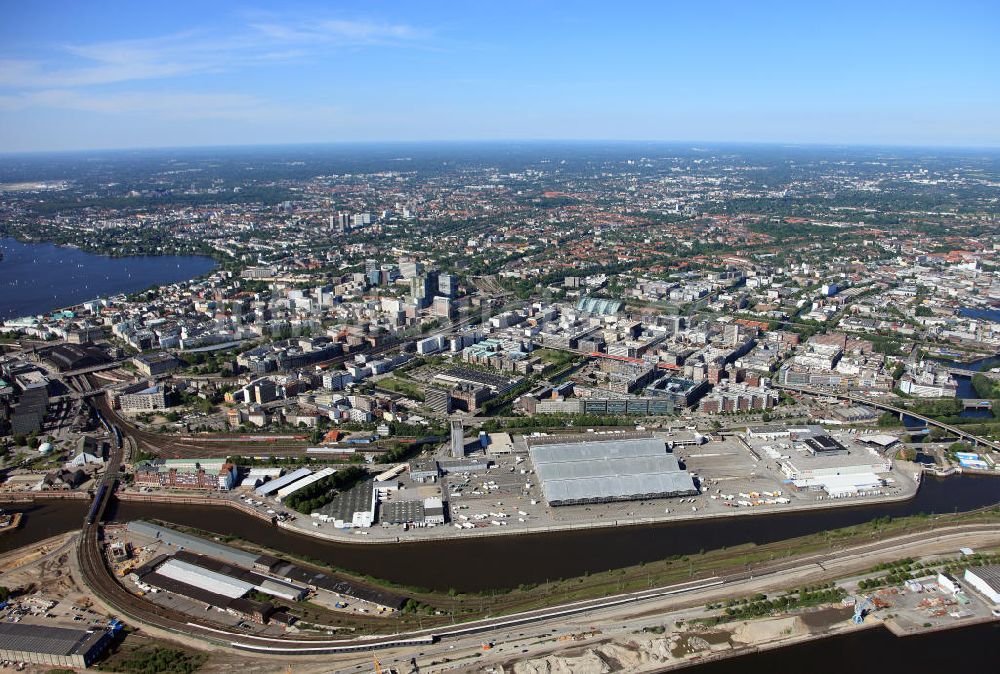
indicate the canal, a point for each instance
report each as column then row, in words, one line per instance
column 484, row 564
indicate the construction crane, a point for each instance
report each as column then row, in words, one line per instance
column 378, row 665
column 862, row 607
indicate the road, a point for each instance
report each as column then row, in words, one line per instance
column 99, row 579
column 440, row 642
column 881, row 405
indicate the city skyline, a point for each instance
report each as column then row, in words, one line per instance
column 118, row 76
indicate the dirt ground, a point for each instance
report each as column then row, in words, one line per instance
column 645, row 652
column 43, row 568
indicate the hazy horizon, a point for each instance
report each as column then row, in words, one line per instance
column 690, row 145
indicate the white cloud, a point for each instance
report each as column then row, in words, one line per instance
column 194, row 52
column 339, row 32
column 167, row 105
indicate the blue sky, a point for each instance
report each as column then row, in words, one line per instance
column 79, row 75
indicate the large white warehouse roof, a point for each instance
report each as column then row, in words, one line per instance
column 304, row 482
column 202, row 578
column 608, row 469
column 274, row 485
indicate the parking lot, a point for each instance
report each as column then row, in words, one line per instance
column 506, row 494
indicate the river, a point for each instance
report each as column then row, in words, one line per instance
column 965, row 387
column 960, row 650
column 505, row 561
column 981, row 314
column 484, row 564
column 38, row 277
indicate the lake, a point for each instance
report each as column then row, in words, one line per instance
column 36, row 278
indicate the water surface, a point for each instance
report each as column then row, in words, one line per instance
column 36, row 278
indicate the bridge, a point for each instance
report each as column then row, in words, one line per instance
column 106, row 587
column 963, row 372
column 94, row 368
column 901, row 411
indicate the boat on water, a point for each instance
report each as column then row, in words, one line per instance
column 9, row 521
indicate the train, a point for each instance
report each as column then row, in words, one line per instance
column 100, row 418
column 95, row 507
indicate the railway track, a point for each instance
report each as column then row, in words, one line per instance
column 100, row 580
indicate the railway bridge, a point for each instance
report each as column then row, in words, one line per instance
column 888, row 407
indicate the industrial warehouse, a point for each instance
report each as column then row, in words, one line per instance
column 273, row 486
column 218, row 584
column 235, row 581
column 56, row 646
column 986, row 579
column 812, row 459
column 601, row 469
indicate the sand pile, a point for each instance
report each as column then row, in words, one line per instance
column 771, row 629
column 588, row 662
column 635, row 655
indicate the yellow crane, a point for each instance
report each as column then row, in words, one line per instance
column 378, row 665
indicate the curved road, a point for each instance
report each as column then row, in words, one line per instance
column 100, row 580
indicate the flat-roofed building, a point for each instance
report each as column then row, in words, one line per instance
column 53, row 646
column 157, row 473
column 155, row 364
column 600, row 469
column 986, row 579
column 202, row 546
column 304, row 482
column 274, row 485
column 140, row 397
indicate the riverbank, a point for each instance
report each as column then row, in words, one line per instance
column 685, row 649
column 448, row 533
column 445, row 532
column 774, row 644
column 957, row 649
column 34, row 496
column 775, row 636
column 510, row 561
column 22, row 557
column 184, row 499
column 619, row 605
column 304, row 525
